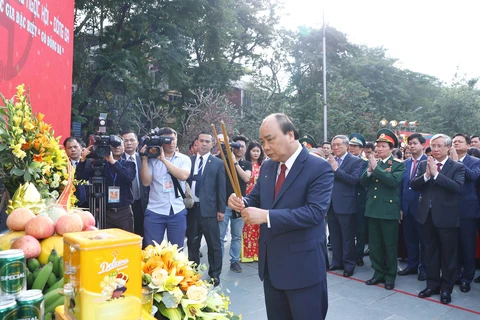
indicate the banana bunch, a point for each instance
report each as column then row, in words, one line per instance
column 26, row 196
column 48, row 278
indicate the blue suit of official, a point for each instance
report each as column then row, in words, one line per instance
column 469, row 213
column 342, row 213
column 292, row 251
column 412, row 230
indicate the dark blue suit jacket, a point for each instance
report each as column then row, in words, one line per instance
column 344, row 200
column 468, row 201
column 295, row 245
column 144, row 191
column 212, row 187
column 409, row 197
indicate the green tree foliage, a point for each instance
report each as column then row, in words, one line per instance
column 131, row 50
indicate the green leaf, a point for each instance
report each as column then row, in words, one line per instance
column 27, row 176
column 3, row 146
column 17, row 172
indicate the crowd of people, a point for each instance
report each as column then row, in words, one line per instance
column 405, row 200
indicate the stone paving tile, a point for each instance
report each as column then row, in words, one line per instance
column 459, row 314
column 412, row 308
column 348, row 309
column 350, row 298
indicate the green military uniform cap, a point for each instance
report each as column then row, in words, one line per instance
column 308, row 141
column 386, row 135
column 356, row 139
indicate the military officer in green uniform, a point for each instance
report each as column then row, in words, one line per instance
column 383, row 180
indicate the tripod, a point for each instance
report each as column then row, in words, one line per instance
column 97, row 197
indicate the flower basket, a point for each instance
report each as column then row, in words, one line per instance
column 179, row 291
column 29, row 150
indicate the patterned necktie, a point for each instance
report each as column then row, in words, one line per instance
column 135, row 184
column 199, row 174
column 339, row 161
column 439, row 166
column 280, row 179
column 412, row 175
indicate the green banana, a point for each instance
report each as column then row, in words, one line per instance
column 56, row 285
column 51, row 297
column 30, row 280
column 57, row 265
column 52, row 279
column 51, row 307
column 53, row 255
column 48, row 316
column 61, row 269
column 33, row 264
column 36, row 272
column 42, row 277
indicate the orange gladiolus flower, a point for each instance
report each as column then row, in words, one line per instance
column 26, row 146
column 37, row 157
column 152, row 263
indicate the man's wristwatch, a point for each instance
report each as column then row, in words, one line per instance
column 236, row 164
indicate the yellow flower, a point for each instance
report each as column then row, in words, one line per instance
column 28, row 125
column 20, row 89
column 18, row 152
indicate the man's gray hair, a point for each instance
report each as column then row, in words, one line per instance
column 344, row 138
column 448, row 140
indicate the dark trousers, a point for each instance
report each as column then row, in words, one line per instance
column 360, row 233
column 156, row 224
column 412, row 233
column 467, row 239
column 138, row 217
column 341, row 228
column 121, row 218
column 383, row 237
column 208, row 227
column 441, row 251
column 300, row 304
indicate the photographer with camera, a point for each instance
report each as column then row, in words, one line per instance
column 118, row 173
column 165, row 172
column 243, row 169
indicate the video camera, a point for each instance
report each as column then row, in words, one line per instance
column 101, row 141
column 154, row 141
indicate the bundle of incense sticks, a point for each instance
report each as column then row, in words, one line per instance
column 232, row 175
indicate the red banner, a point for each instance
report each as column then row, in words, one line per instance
column 36, row 48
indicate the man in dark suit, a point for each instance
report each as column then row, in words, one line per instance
column 289, row 202
column 140, row 192
column 412, row 230
column 73, row 148
column 341, row 216
column 356, row 145
column 439, row 181
column 469, row 211
column 383, row 208
column 207, row 179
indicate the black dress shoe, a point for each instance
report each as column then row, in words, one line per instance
column 366, row 252
column 216, row 281
column 445, row 297
column 458, row 282
column 389, row 285
column 374, row 281
column 422, row 276
column 407, row 271
column 359, row 262
column 348, row 273
column 427, row 293
column 477, row 279
column 333, row 268
column 464, row 287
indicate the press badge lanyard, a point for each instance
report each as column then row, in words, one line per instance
column 167, row 182
column 113, row 191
